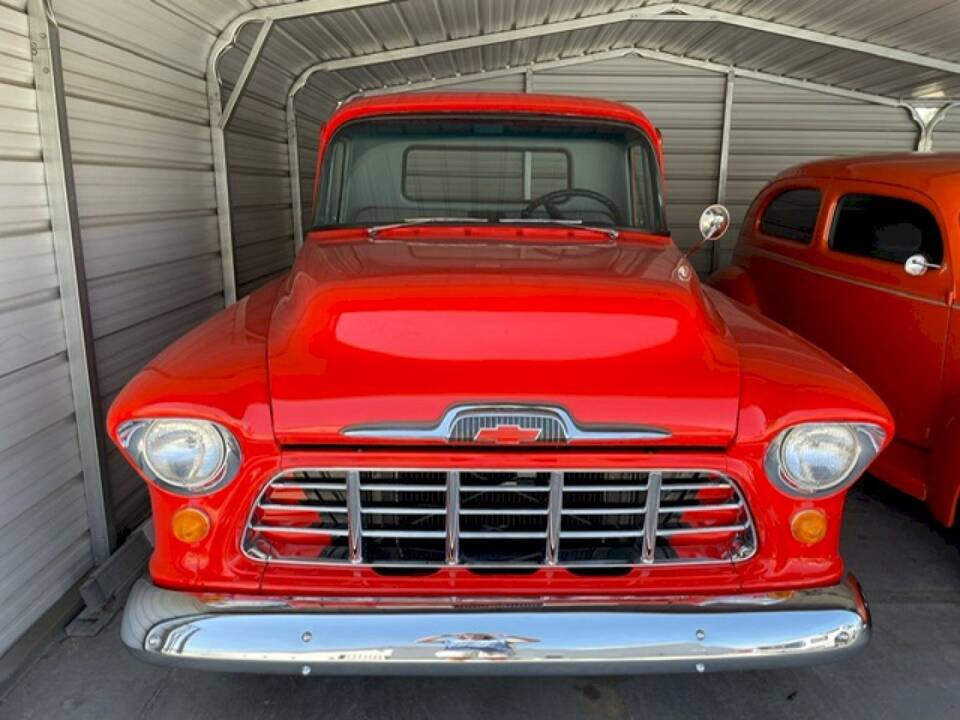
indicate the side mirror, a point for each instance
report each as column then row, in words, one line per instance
column 917, row 265
column 714, row 223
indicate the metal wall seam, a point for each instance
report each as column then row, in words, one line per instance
column 74, row 303
column 715, row 254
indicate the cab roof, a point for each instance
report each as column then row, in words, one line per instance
column 931, row 172
column 492, row 103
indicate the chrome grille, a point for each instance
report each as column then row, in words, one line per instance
column 500, row 518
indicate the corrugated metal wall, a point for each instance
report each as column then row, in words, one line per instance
column 946, row 136
column 44, row 533
column 137, row 106
column 774, row 127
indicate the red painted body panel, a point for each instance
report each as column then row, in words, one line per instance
column 362, row 331
column 401, row 329
column 896, row 331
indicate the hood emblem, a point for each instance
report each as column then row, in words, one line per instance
column 507, row 434
column 505, row 425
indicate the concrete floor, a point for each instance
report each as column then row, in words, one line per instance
column 909, row 568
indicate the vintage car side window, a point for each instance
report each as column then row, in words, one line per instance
column 792, row 215
column 885, row 228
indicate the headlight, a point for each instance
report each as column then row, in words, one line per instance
column 815, row 459
column 185, row 456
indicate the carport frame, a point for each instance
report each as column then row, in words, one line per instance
column 658, row 12
column 729, row 71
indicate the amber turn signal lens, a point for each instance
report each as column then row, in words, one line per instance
column 190, row 525
column 809, row 526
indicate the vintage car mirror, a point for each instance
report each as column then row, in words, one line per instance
column 714, row 222
column 917, row 265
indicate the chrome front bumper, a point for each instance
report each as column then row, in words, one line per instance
column 549, row 636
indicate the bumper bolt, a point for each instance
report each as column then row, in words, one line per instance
column 701, row 634
column 701, row 667
column 307, row 636
column 305, row 670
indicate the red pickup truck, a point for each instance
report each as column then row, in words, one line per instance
column 491, row 422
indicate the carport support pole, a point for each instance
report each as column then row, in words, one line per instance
column 74, row 304
column 220, row 115
column 724, row 161
column 293, row 155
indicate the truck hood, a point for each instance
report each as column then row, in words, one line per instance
column 394, row 333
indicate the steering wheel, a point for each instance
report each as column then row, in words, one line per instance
column 551, row 199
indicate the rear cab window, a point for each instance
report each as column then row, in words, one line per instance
column 885, row 228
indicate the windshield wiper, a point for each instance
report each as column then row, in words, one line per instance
column 373, row 231
column 611, row 233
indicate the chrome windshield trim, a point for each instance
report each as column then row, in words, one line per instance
column 442, row 430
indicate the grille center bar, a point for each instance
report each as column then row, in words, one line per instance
column 554, row 518
column 651, row 515
column 452, row 549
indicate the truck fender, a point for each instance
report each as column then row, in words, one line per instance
column 734, row 282
column 943, row 480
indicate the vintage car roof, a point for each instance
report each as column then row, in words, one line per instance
column 924, row 171
column 486, row 102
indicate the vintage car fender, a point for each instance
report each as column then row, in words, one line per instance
column 943, row 479
column 734, row 282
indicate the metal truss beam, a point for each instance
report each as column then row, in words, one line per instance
column 220, row 114
column 927, row 118
column 661, row 12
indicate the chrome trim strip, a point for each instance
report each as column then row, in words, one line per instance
column 443, row 429
column 554, row 518
column 546, row 635
column 652, row 510
column 813, row 269
column 453, row 518
column 354, row 518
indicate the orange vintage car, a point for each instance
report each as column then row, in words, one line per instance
column 855, row 254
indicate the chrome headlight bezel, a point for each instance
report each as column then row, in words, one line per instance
column 869, row 439
column 133, row 434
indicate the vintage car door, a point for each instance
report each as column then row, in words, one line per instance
column 858, row 302
column 778, row 249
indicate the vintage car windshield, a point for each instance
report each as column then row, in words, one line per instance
column 491, row 170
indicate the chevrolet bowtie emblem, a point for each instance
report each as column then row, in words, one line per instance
column 507, row 435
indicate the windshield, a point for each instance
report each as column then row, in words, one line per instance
column 397, row 170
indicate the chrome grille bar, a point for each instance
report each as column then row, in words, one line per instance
column 554, row 518
column 648, row 552
column 354, row 518
column 452, row 549
column 494, row 518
